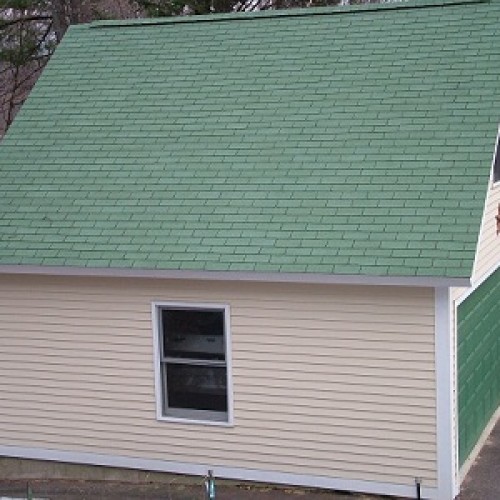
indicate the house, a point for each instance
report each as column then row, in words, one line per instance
column 262, row 244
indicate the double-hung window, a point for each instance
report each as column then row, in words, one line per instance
column 192, row 371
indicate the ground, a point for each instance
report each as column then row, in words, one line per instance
column 483, row 480
column 119, row 490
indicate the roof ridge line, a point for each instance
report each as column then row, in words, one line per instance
column 272, row 13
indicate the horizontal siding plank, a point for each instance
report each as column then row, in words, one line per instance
column 290, row 362
column 90, row 322
column 412, row 326
column 319, row 319
column 320, row 381
column 272, row 343
column 346, row 400
column 74, row 352
column 333, row 352
column 278, row 337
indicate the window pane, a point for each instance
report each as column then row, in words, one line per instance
column 197, row 387
column 193, row 334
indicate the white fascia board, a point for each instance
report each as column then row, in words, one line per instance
column 234, row 473
column 306, row 278
column 446, row 428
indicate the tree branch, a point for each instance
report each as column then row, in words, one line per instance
column 4, row 23
column 20, row 83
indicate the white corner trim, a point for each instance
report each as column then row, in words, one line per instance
column 155, row 317
column 223, row 472
column 491, row 185
column 445, row 351
column 274, row 277
column 479, row 445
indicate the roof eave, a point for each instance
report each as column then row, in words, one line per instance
column 249, row 276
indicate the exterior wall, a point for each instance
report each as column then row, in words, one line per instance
column 487, row 260
column 332, row 381
column 488, row 250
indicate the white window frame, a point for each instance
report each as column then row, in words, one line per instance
column 191, row 416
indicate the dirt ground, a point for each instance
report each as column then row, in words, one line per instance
column 114, row 490
column 483, row 480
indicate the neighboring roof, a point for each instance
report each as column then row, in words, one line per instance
column 351, row 141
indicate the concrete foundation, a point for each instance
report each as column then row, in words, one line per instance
column 18, row 468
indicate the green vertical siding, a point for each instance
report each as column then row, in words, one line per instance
column 478, row 362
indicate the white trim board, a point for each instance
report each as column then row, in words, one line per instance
column 236, row 473
column 312, row 278
column 447, row 441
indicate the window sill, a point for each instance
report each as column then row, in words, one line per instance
column 178, row 420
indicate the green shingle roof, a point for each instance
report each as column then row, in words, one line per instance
column 342, row 141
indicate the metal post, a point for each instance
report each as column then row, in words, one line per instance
column 29, row 492
column 418, row 486
column 210, row 486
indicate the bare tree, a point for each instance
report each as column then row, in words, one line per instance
column 25, row 45
column 29, row 33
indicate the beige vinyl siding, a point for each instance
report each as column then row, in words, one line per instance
column 334, row 381
column 488, row 251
